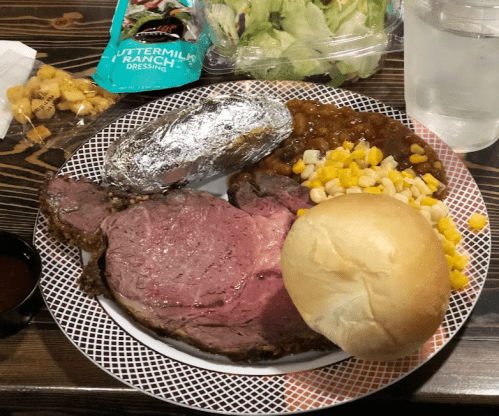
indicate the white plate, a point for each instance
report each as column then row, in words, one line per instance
column 179, row 374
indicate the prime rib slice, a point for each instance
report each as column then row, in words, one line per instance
column 191, row 266
column 268, row 191
column 75, row 210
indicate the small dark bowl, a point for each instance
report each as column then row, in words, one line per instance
column 19, row 314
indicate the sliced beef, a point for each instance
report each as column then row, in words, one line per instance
column 189, row 248
column 192, row 266
column 76, row 207
column 75, row 210
column 285, row 190
column 267, row 191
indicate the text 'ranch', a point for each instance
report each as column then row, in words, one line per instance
column 143, row 58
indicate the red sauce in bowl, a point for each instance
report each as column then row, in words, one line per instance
column 16, row 282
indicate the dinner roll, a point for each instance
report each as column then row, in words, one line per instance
column 369, row 273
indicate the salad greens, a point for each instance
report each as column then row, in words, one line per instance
column 139, row 12
column 293, row 39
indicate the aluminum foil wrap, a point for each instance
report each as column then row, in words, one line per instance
column 218, row 135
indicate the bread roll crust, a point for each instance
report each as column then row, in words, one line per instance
column 369, row 273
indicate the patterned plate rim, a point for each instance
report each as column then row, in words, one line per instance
column 105, row 343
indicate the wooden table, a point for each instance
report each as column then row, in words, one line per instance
column 41, row 371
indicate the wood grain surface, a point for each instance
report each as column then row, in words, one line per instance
column 42, row 372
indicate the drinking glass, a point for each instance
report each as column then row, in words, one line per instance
column 451, row 69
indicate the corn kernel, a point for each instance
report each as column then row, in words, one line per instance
column 338, row 156
column 355, row 168
column 389, row 163
column 450, row 261
column 366, row 181
column 307, row 172
column 449, row 247
column 395, row 176
column 372, row 173
column 375, row 156
column 347, row 145
column 334, row 163
column 407, row 186
column 428, row 201
column 417, row 149
column 318, row 194
column 358, row 154
column 408, row 173
column 326, row 173
column 460, row 261
column 432, row 188
column 351, row 181
column 477, row 220
column 408, row 183
column 346, row 178
column 311, row 156
column 315, row 183
column 431, row 180
column 415, row 158
column 301, row 211
column 445, row 224
column 372, row 190
column 389, row 187
column 453, row 235
column 333, row 190
column 415, row 191
column 362, row 145
column 439, row 211
column 299, row 167
column 320, row 164
column 413, row 203
column 344, row 173
column 458, row 280
column 354, row 190
column 422, row 187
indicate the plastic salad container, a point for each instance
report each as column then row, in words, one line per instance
column 299, row 39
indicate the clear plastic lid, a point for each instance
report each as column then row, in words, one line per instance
column 470, row 17
column 295, row 39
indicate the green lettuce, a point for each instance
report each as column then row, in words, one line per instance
column 294, row 39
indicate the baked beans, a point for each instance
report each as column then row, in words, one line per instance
column 324, row 127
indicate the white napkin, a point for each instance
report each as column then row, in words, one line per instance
column 16, row 63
